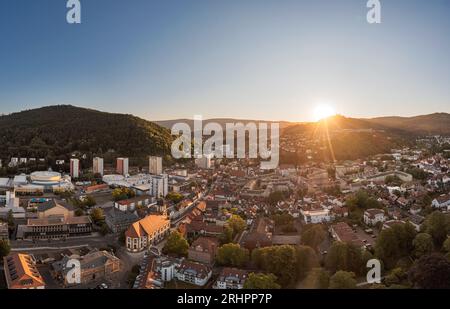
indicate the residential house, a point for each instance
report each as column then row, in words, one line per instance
column 193, row 273
column 204, row 250
column 373, row 215
column 391, row 223
column 231, row 278
column 21, row 272
column 441, row 202
column 316, row 215
column 260, row 236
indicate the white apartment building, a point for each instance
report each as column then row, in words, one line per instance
column 74, row 168
column 155, row 165
column 97, row 166
column 373, row 216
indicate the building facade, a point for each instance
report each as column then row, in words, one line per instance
column 21, row 272
column 74, row 168
column 155, row 165
column 122, row 166
column 97, row 166
column 146, row 232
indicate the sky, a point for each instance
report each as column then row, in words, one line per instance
column 253, row 59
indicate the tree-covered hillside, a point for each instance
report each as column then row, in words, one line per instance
column 58, row 131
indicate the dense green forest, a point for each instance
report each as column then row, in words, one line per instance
column 56, row 132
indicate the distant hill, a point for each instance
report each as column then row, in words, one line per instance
column 343, row 138
column 56, row 131
column 438, row 123
column 222, row 121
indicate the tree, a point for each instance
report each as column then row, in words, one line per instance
column 313, row 235
column 4, row 248
column 446, row 245
column 306, row 260
column 423, row 244
column 431, row 272
column 97, row 215
column 331, row 172
column 395, row 243
column 282, row 219
column 79, row 212
column 437, row 225
column 176, row 244
column 104, row 229
column 10, row 219
column 395, row 277
column 279, row 260
column 343, row 280
column 89, row 201
column 237, row 224
column 174, row 197
column 275, row 197
column 346, row 257
column 261, row 281
column 232, row 255
column 393, row 181
column 227, row 235
column 317, row 278
column 122, row 194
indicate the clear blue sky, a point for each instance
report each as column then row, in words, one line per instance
column 258, row 59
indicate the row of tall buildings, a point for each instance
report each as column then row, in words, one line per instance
column 122, row 166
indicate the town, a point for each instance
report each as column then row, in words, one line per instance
column 224, row 223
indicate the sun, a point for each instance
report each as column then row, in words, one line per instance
column 323, row 111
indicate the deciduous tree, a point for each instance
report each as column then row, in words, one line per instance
column 343, row 280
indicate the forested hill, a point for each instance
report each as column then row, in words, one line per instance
column 56, row 131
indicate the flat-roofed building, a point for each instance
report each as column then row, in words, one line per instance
column 57, row 227
column 342, row 232
column 155, row 165
column 4, row 232
column 56, row 220
column 132, row 203
column 97, row 166
column 74, row 168
column 122, row 166
column 145, row 232
column 21, row 272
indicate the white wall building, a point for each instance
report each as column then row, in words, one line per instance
column 160, row 186
column 74, row 168
column 122, row 166
column 155, row 165
column 316, row 216
column 373, row 216
column 97, row 166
